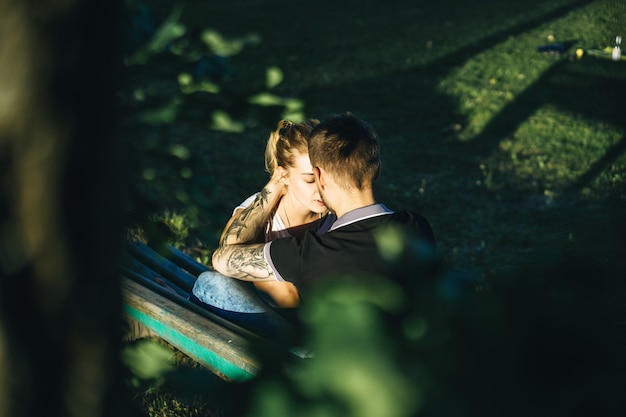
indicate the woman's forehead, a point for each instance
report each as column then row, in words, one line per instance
column 302, row 163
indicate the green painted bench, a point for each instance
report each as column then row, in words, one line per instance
column 155, row 287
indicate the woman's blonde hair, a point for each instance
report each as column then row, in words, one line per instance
column 287, row 138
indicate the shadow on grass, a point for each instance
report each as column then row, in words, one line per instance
column 415, row 100
column 575, row 87
column 600, row 165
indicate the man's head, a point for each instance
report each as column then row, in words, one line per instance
column 346, row 148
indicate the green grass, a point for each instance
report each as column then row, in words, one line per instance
column 507, row 151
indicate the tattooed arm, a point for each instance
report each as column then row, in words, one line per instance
column 238, row 256
column 244, row 262
column 247, row 225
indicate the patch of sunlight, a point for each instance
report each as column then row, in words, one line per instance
column 185, row 79
column 149, row 174
column 148, row 360
column 273, row 77
column 227, row 47
column 162, row 115
column 179, row 151
column 177, row 223
column 555, row 148
column 186, row 173
column 222, row 121
column 207, row 87
column 293, row 104
column 139, row 94
column 167, row 33
column 294, row 107
column 492, row 79
column 294, row 116
column 266, row 99
column 188, row 86
column 390, row 242
column 183, row 48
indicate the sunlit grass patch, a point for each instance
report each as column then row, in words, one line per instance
column 494, row 80
column 553, row 149
column 489, row 81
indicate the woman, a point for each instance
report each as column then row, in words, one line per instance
column 299, row 210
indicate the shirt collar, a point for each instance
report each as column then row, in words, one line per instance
column 361, row 213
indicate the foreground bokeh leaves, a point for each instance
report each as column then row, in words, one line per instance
column 148, row 361
column 421, row 341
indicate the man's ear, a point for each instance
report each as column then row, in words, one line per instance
column 320, row 177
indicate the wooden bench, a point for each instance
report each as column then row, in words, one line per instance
column 156, row 286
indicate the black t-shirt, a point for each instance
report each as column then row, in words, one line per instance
column 350, row 247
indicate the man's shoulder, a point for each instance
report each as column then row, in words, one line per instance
column 416, row 223
column 411, row 222
column 408, row 216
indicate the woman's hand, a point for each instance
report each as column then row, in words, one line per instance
column 277, row 183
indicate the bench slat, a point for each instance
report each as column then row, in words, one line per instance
column 223, row 351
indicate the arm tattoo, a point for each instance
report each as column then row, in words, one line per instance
column 263, row 196
column 240, row 253
column 249, row 263
column 248, row 226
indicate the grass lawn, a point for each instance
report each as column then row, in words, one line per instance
column 511, row 153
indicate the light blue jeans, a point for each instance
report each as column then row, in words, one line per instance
column 239, row 302
column 228, row 294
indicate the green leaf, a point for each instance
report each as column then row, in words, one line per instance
column 223, row 122
column 390, row 242
column 161, row 115
column 266, row 99
column 180, row 151
column 147, row 359
column 273, row 77
column 170, row 30
column 220, row 45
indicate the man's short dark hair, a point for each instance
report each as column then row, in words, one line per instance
column 346, row 147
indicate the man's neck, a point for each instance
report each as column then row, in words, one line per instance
column 355, row 200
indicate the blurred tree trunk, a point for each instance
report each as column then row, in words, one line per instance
column 60, row 205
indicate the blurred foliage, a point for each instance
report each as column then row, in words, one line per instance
column 515, row 156
column 548, row 340
column 148, row 361
column 192, row 86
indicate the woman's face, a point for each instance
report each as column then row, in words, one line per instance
column 302, row 190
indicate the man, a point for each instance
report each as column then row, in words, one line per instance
column 344, row 153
